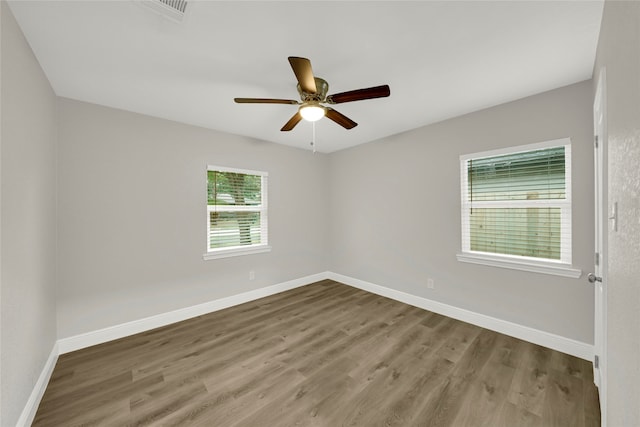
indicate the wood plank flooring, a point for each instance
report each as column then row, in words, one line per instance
column 325, row 355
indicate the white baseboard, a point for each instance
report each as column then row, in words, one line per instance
column 30, row 409
column 65, row 345
column 77, row 342
column 546, row 339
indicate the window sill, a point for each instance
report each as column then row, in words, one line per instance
column 555, row 269
column 227, row 253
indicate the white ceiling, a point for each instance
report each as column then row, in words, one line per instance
column 440, row 58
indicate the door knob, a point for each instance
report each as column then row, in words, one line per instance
column 592, row 278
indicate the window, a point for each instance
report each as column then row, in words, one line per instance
column 516, row 208
column 236, row 212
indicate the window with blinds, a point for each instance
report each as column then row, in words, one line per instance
column 236, row 211
column 517, row 202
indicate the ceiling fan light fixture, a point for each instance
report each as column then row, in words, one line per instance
column 312, row 112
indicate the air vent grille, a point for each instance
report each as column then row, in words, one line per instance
column 179, row 5
column 172, row 9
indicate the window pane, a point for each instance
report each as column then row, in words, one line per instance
column 531, row 232
column 531, row 175
column 234, row 229
column 235, row 189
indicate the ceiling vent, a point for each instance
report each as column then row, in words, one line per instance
column 172, row 9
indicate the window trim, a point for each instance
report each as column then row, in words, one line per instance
column 561, row 267
column 520, row 263
column 233, row 251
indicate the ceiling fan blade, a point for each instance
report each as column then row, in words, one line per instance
column 340, row 118
column 264, row 101
column 304, row 74
column 359, row 94
column 293, row 121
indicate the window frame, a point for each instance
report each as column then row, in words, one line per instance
column 232, row 251
column 562, row 267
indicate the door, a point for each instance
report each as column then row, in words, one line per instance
column 599, row 275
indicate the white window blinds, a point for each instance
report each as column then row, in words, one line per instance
column 236, row 209
column 517, row 202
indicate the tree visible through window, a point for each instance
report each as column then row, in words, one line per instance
column 236, row 209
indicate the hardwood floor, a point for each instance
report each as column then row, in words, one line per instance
column 321, row 355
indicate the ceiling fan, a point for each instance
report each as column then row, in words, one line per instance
column 313, row 93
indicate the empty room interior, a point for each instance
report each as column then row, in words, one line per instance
column 237, row 213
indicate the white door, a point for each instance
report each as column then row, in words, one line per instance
column 599, row 275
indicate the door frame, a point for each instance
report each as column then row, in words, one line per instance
column 601, row 223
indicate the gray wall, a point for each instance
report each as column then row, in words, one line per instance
column 28, row 220
column 131, row 202
column 619, row 52
column 132, row 221
column 395, row 213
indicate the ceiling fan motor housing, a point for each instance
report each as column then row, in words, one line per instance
column 322, row 87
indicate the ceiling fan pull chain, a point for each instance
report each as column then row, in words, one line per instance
column 313, row 136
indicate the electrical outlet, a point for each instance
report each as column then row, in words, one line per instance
column 252, row 275
column 430, row 283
